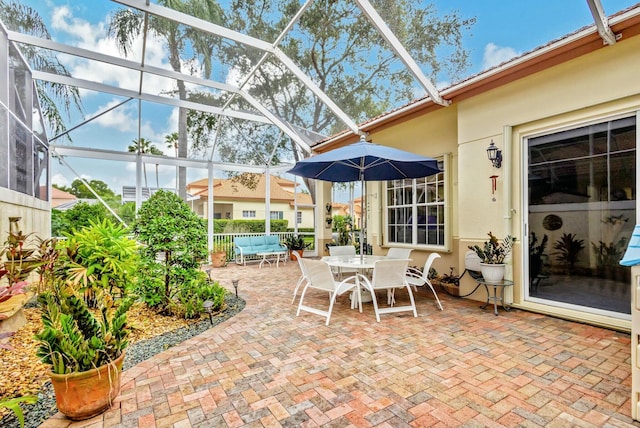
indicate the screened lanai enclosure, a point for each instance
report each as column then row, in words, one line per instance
column 237, row 87
column 215, row 89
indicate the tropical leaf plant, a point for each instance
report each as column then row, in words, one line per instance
column 569, row 249
column 100, row 256
column 13, row 404
column 73, row 339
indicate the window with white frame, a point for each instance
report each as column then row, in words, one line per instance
column 416, row 211
column 248, row 214
column 276, row 215
column 298, row 217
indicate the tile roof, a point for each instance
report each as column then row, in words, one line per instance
column 282, row 190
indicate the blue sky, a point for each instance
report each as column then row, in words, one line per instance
column 503, row 30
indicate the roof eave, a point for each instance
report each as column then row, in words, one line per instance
column 584, row 41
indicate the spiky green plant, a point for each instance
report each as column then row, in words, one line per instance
column 73, row 339
column 494, row 251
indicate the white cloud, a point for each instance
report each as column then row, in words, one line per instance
column 494, row 55
column 94, row 37
column 122, row 118
column 59, row 180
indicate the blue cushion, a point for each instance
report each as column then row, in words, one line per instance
column 259, row 244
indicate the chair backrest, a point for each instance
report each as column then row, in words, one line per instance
column 428, row 263
column 303, row 268
column 399, row 253
column 342, row 250
column 318, row 273
column 389, row 273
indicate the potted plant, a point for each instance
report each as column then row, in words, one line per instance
column 85, row 351
column 295, row 243
column 492, row 255
column 218, row 256
column 569, row 249
column 450, row 282
column 536, row 253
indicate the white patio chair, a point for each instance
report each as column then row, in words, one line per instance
column 399, row 253
column 303, row 274
column 416, row 278
column 320, row 277
column 389, row 275
column 343, row 250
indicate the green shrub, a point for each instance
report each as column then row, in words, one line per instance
column 194, row 293
column 77, row 218
column 248, row 226
column 100, row 256
column 175, row 239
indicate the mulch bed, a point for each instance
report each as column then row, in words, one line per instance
column 24, row 374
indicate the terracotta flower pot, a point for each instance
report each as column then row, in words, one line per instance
column 84, row 395
column 293, row 254
column 218, row 259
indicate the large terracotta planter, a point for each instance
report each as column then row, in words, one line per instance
column 218, row 259
column 84, row 395
column 293, row 254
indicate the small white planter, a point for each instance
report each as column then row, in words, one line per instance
column 492, row 272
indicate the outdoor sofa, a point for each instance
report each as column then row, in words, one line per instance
column 246, row 246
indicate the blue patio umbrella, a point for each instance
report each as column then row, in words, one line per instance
column 364, row 161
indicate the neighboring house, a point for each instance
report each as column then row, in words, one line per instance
column 233, row 200
column 61, row 198
column 344, row 209
column 565, row 117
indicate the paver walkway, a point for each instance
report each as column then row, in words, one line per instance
column 461, row 367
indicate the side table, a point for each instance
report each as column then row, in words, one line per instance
column 276, row 254
column 495, row 298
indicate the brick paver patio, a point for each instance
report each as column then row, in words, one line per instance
column 462, row 367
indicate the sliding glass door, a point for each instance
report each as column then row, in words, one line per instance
column 582, row 209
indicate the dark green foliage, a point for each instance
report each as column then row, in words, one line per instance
column 79, row 189
column 294, row 243
column 609, row 254
column 569, row 249
column 73, row 339
column 150, row 286
column 536, row 251
column 78, row 217
column 194, row 293
column 174, row 236
column 248, row 226
column 343, row 225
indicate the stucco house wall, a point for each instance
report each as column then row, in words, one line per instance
column 563, row 86
column 597, row 86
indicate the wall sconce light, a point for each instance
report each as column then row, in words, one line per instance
column 328, row 220
column 495, row 155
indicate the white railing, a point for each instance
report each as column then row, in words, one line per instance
column 225, row 240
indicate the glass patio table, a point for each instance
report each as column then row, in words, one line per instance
column 361, row 264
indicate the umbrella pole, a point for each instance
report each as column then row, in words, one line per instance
column 363, row 213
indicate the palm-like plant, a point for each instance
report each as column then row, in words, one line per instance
column 26, row 20
column 144, row 146
column 127, row 24
column 569, row 249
